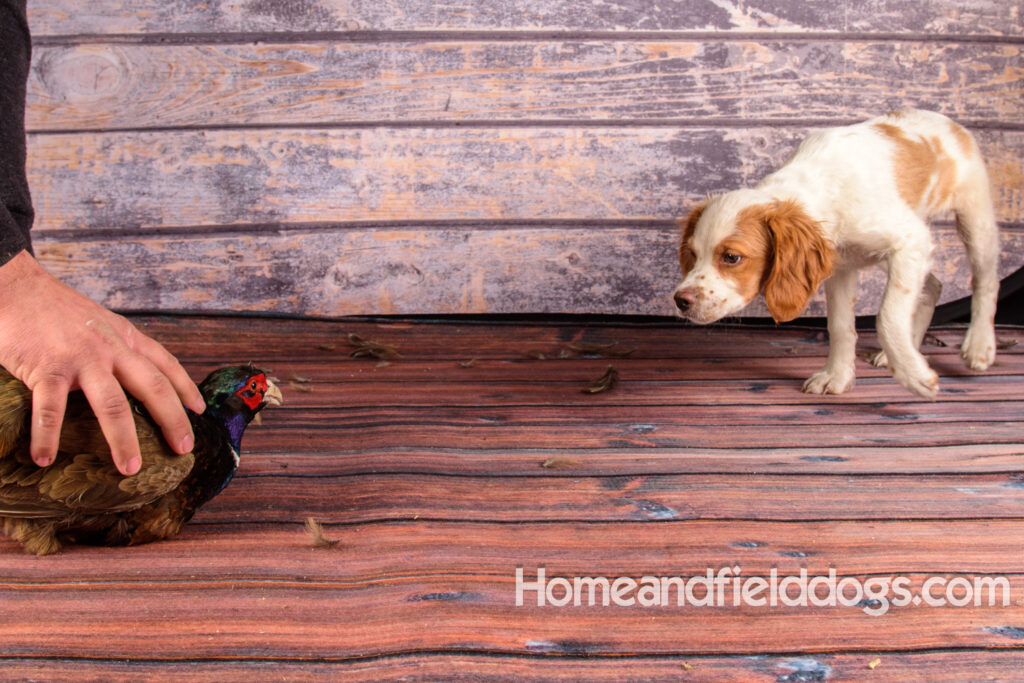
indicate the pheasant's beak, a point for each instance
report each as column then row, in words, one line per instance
column 273, row 395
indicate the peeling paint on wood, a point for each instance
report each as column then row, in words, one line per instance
column 346, row 156
column 143, row 86
column 417, row 271
column 239, row 177
column 71, row 17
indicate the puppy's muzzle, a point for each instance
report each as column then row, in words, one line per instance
column 685, row 299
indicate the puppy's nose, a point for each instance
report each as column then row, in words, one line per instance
column 684, row 298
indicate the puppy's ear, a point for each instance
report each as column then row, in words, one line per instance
column 801, row 260
column 689, row 225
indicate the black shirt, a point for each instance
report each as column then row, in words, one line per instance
column 15, row 203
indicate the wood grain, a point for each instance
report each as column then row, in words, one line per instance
column 566, row 497
column 440, row 339
column 131, row 87
column 106, row 17
column 300, row 619
column 891, row 667
column 313, row 458
column 390, row 555
column 615, row 427
column 329, row 157
column 401, row 271
column 193, row 181
column 421, row 149
column 642, row 383
column 120, row 181
column 463, row 601
column 435, row 504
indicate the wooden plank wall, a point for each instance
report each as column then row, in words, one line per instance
column 333, row 157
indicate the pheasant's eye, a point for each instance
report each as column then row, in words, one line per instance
column 253, row 386
column 731, row 258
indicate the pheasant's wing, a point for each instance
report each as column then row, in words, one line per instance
column 15, row 407
column 83, row 478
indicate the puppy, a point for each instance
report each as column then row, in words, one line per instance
column 851, row 197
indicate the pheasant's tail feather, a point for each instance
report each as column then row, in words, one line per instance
column 37, row 536
column 147, row 524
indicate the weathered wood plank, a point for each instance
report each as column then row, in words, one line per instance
column 158, row 86
column 668, row 366
column 674, row 366
column 396, row 552
column 457, row 339
column 653, row 420
column 427, row 271
column 337, row 380
column 891, row 667
column 250, row 590
column 568, row 497
column 503, row 427
column 217, row 178
column 467, row 613
column 561, row 385
column 237, row 177
column 340, row 458
column 105, row 17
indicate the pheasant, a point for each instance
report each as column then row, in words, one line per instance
column 82, row 498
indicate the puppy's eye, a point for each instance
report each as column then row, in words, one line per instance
column 731, row 258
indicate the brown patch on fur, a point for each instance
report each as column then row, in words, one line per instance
column 801, row 259
column 752, row 241
column 925, row 174
column 689, row 226
column 942, row 190
column 963, row 138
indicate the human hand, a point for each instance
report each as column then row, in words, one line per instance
column 56, row 340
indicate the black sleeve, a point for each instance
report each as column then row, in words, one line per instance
column 15, row 203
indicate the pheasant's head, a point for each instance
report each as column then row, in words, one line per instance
column 235, row 394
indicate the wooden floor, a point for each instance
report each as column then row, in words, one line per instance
column 439, row 478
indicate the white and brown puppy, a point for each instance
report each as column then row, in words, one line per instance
column 851, row 197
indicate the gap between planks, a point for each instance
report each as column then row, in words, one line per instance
column 499, row 36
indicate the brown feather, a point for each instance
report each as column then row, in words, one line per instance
column 15, row 406
column 82, row 498
column 87, row 481
column 82, row 488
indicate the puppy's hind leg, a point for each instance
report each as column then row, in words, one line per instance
column 922, row 317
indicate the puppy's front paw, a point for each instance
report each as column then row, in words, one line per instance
column 829, row 381
column 979, row 347
column 924, row 383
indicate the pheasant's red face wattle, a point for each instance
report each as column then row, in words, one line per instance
column 253, row 391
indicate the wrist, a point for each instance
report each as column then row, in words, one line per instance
column 18, row 276
column 19, row 265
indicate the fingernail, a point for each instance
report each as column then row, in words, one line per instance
column 133, row 466
column 186, row 444
column 44, row 462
